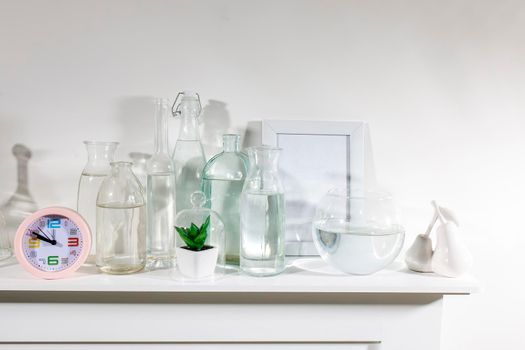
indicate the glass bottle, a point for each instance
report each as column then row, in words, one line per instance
column 139, row 161
column 21, row 203
column 160, row 195
column 262, row 215
column 5, row 243
column 222, row 182
column 100, row 154
column 121, row 224
column 188, row 156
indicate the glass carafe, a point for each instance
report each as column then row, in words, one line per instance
column 100, row 154
column 222, row 182
column 188, row 155
column 160, row 195
column 262, row 215
column 21, row 203
column 121, row 224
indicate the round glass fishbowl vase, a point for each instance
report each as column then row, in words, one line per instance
column 357, row 234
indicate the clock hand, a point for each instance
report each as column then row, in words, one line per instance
column 42, row 238
column 44, row 233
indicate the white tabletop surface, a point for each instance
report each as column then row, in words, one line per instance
column 304, row 275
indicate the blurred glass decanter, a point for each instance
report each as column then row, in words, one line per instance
column 100, row 154
column 262, row 215
column 5, row 243
column 121, row 222
column 188, row 156
column 160, row 199
column 222, row 182
column 21, row 203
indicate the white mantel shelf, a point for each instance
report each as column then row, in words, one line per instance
column 309, row 306
column 305, row 275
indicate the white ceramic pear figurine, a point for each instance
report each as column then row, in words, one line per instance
column 419, row 256
column 451, row 257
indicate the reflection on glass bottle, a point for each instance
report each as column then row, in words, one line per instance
column 262, row 215
column 222, row 182
column 160, row 195
column 188, row 156
column 139, row 161
column 100, row 154
column 21, row 203
column 121, row 224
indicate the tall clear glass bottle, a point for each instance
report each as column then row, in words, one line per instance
column 100, row 154
column 262, row 215
column 188, row 155
column 222, row 182
column 121, row 222
column 160, row 195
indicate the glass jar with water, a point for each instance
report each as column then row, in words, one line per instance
column 222, row 182
column 121, row 222
column 357, row 233
column 262, row 215
column 100, row 154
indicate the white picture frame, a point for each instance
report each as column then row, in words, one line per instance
column 316, row 157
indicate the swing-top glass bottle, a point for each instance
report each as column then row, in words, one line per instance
column 188, row 156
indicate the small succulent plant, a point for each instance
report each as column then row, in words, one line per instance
column 194, row 236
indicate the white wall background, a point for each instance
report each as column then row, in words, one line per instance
column 442, row 84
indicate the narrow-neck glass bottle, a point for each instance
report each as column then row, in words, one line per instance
column 160, row 195
column 188, row 156
column 262, row 215
column 100, row 154
column 121, row 222
column 222, row 182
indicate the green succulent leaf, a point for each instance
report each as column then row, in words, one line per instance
column 184, row 236
column 204, row 226
column 193, row 236
column 194, row 231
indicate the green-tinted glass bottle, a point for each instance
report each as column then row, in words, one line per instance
column 222, row 182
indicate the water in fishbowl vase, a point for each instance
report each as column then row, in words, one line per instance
column 354, row 249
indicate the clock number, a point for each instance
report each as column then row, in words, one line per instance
column 52, row 260
column 72, row 242
column 53, row 223
column 34, row 243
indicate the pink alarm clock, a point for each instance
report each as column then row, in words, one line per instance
column 53, row 242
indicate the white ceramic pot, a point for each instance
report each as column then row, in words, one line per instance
column 198, row 264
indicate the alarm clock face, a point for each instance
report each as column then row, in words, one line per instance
column 53, row 242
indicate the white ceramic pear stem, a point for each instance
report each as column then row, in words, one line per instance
column 431, row 225
column 438, row 213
